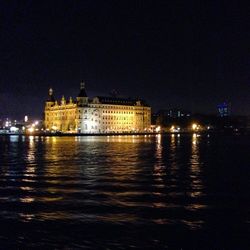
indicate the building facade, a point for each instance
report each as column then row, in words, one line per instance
column 98, row 115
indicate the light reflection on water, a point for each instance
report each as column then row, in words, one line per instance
column 123, row 180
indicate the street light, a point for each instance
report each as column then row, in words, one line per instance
column 194, row 126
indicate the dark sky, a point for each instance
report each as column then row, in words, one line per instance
column 174, row 54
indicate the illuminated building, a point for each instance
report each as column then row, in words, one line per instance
column 173, row 113
column 98, row 115
column 172, row 119
column 224, row 109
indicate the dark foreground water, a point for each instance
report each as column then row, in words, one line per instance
column 148, row 192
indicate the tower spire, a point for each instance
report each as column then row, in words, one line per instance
column 82, row 98
column 82, row 90
column 50, row 92
column 51, row 96
column 82, row 85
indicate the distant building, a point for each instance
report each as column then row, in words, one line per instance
column 224, row 109
column 173, row 113
column 168, row 117
column 98, row 115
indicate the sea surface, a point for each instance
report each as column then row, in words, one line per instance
column 125, row 192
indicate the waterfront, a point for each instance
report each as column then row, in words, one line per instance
column 119, row 192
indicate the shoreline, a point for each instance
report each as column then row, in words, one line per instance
column 245, row 132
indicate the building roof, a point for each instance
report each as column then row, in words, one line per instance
column 120, row 101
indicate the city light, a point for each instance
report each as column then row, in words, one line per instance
column 158, row 129
column 174, row 129
column 13, row 129
column 54, row 127
column 31, row 130
column 195, row 126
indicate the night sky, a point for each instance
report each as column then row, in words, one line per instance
column 174, row 54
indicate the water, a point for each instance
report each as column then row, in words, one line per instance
column 148, row 192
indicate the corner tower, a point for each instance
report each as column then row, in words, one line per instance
column 48, row 118
column 51, row 100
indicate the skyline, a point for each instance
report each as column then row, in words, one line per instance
column 174, row 55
